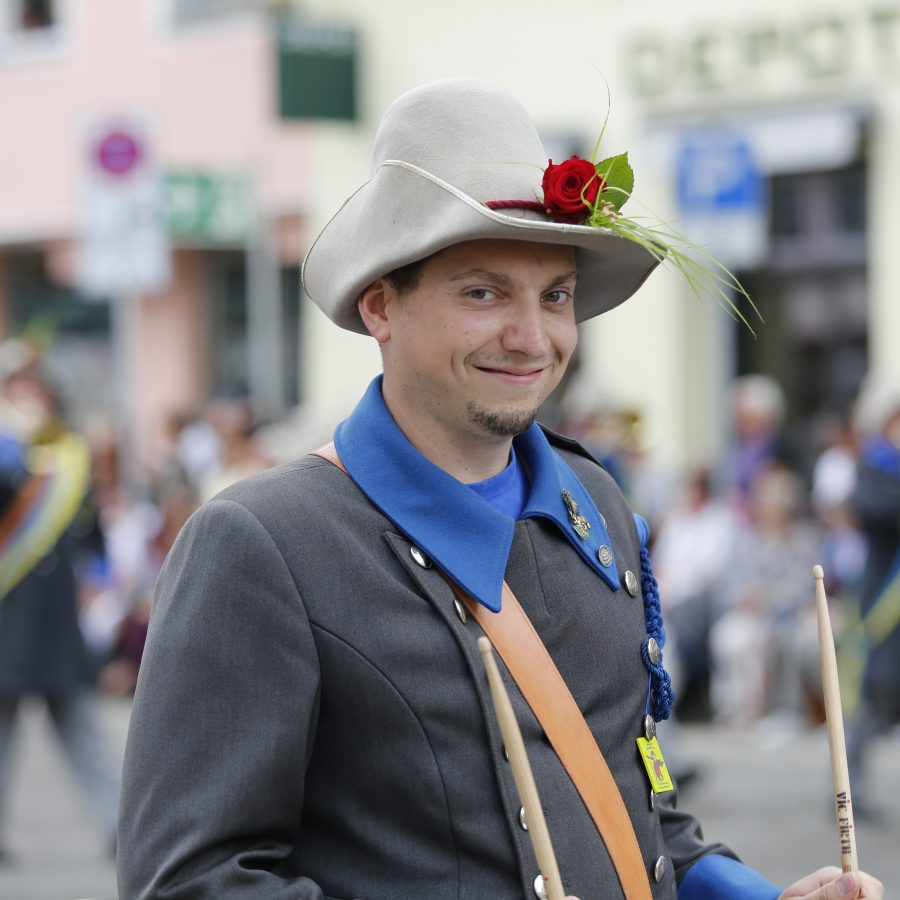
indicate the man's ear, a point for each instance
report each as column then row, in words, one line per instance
column 373, row 310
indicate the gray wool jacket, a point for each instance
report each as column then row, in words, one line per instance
column 312, row 718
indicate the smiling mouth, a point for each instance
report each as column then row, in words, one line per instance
column 514, row 376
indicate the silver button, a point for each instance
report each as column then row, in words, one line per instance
column 604, row 554
column 659, row 869
column 460, row 610
column 649, row 727
column 652, row 799
column 653, row 651
column 631, row 583
column 420, row 557
column 522, row 820
column 539, row 890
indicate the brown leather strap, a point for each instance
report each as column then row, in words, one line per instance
column 551, row 701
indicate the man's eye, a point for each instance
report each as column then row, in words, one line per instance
column 481, row 294
column 557, row 297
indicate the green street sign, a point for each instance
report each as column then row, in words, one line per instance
column 316, row 70
column 211, row 207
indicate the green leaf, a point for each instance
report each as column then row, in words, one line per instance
column 616, row 171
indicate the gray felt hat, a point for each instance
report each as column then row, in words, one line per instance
column 442, row 151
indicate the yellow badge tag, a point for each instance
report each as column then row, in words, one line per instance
column 660, row 780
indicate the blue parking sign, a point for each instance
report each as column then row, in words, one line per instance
column 718, row 174
column 722, row 195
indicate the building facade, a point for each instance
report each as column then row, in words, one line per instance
column 152, row 204
column 766, row 133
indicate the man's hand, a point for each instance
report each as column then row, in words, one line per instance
column 830, row 884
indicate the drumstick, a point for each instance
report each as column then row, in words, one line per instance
column 515, row 747
column 842, row 806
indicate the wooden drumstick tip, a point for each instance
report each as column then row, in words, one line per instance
column 835, row 725
column 485, row 646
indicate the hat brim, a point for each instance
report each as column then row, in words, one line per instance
column 405, row 213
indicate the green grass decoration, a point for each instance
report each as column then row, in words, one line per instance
column 704, row 274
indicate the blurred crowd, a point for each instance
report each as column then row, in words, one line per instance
column 82, row 542
column 134, row 508
column 734, row 548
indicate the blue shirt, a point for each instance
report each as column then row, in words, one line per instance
column 465, row 535
column 508, row 490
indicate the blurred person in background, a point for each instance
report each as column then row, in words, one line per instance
column 311, row 719
column 592, row 418
column 834, row 471
column 765, row 645
column 614, row 433
column 46, row 531
column 843, row 553
column 757, row 413
column 139, row 523
column 240, row 454
column 651, row 487
column 844, row 547
column 138, row 532
column 190, row 452
column 704, row 529
column 876, row 502
column 119, row 673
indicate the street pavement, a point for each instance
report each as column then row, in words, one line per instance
column 766, row 794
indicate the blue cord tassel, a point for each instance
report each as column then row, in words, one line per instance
column 662, row 697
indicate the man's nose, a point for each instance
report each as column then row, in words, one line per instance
column 526, row 331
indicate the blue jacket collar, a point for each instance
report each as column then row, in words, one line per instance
column 460, row 531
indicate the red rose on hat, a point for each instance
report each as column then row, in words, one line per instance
column 570, row 189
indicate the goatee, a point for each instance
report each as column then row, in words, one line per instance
column 502, row 423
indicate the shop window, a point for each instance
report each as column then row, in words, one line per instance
column 819, row 203
column 31, row 31
column 35, row 14
column 813, row 294
column 230, row 351
column 784, row 206
column 291, row 308
column 849, row 191
column 228, row 298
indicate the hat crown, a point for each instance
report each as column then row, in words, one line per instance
column 458, row 144
column 468, row 132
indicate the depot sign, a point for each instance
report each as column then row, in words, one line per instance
column 737, row 57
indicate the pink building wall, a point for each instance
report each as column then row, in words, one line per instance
column 207, row 93
column 171, row 349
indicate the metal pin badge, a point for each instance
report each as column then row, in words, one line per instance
column 631, row 583
column 580, row 524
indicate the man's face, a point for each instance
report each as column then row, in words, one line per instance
column 482, row 340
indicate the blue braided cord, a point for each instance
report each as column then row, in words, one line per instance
column 663, row 697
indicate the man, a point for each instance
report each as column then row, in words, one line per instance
column 312, row 719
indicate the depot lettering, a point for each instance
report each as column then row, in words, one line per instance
column 824, row 45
